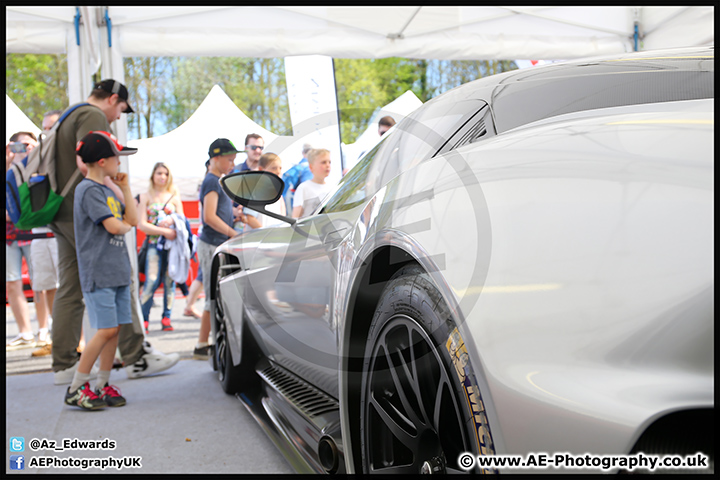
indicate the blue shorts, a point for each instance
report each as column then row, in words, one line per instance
column 108, row 307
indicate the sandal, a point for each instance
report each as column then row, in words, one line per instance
column 189, row 312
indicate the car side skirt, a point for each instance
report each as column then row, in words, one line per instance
column 299, row 418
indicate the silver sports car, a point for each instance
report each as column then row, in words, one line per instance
column 520, row 271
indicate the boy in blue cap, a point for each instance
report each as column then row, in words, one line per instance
column 100, row 221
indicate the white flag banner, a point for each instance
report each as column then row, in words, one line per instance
column 312, row 100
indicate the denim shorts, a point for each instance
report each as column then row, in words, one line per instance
column 205, row 254
column 108, row 307
column 13, row 261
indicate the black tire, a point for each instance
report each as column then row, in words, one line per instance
column 230, row 376
column 420, row 406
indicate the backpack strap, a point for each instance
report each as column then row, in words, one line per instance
column 69, row 111
column 70, row 182
column 77, row 172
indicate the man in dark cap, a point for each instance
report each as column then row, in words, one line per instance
column 106, row 103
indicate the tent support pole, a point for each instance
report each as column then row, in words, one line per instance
column 337, row 110
column 108, row 22
column 76, row 21
column 636, row 35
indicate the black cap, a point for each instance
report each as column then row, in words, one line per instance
column 222, row 146
column 113, row 86
column 97, row 145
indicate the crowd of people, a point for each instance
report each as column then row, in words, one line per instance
column 80, row 264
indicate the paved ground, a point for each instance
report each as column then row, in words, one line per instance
column 182, row 340
column 179, row 421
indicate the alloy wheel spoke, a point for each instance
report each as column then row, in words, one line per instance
column 439, row 402
column 420, row 370
column 393, row 420
column 405, row 385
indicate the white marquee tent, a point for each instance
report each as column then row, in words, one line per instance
column 185, row 149
column 101, row 36
column 445, row 32
column 16, row 120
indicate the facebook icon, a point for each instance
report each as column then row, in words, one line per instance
column 17, row 462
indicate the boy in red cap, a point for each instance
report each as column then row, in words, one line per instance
column 100, row 221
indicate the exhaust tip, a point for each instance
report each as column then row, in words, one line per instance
column 328, row 454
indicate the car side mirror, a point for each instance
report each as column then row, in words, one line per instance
column 255, row 190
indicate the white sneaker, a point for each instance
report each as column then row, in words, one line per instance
column 152, row 362
column 20, row 342
column 65, row 377
column 43, row 338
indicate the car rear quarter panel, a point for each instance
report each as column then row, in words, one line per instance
column 579, row 258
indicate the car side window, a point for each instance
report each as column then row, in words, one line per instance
column 357, row 184
column 415, row 139
column 479, row 127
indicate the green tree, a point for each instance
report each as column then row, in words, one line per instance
column 256, row 86
column 167, row 90
column 366, row 85
column 147, row 80
column 422, row 89
column 444, row 75
column 359, row 94
column 37, row 83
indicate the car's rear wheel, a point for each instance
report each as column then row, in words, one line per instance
column 420, row 404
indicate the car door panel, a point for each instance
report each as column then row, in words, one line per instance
column 294, row 284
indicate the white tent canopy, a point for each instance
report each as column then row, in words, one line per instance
column 16, row 120
column 95, row 37
column 102, row 36
column 185, row 149
column 441, row 32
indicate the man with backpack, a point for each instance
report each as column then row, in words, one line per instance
column 107, row 101
column 43, row 253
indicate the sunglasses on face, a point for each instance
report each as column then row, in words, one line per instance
column 255, row 147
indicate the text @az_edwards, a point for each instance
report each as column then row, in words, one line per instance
column 71, row 444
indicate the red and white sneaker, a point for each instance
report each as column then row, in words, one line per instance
column 166, row 327
column 84, row 398
column 111, row 395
